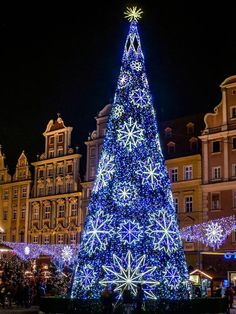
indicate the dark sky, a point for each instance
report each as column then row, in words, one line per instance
column 66, row 59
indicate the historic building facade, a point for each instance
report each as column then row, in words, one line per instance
column 14, row 200
column 55, row 213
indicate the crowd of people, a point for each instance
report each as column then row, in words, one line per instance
column 21, row 286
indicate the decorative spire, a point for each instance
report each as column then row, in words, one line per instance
column 133, row 14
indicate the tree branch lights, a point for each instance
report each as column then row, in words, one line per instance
column 212, row 233
column 131, row 233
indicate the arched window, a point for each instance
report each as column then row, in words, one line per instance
column 190, row 128
column 171, row 148
column 193, row 144
column 168, row 132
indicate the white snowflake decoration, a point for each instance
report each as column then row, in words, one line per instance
column 172, row 278
column 124, row 79
column 150, row 172
column 118, row 111
column 164, row 231
column 66, row 253
column 124, row 193
column 130, row 135
column 130, row 232
column 87, row 277
column 106, row 169
column 214, row 234
column 128, row 273
column 136, row 65
column 140, row 98
column 98, row 230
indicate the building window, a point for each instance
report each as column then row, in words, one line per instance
column 73, row 238
column 60, row 238
column 171, row 148
column 60, row 170
column 233, row 170
column 51, row 153
column 51, row 140
column 174, row 174
column 168, row 132
column 60, row 188
column 41, row 173
column 176, row 203
column 216, row 173
column 50, row 190
column 61, row 211
column 193, row 142
column 50, row 172
column 47, row 212
column 41, row 190
column 188, row 204
column 92, row 152
column 234, row 143
column 69, row 169
column 14, row 213
column 24, row 191
column 74, row 208
column 46, row 239
column 5, row 194
column 15, row 193
column 69, row 187
column 216, row 147
column 215, row 201
column 35, row 239
column 233, row 112
column 60, row 152
column 60, row 138
column 22, row 213
column 35, row 213
column 190, row 128
column 188, row 172
column 4, row 214
column 13, row 238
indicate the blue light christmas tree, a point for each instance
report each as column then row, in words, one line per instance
column 131, row 233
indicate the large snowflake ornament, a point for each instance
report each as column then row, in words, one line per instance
column 87, row 277
column 67, row 253
column 214, row 234
column 118, row 111
column 97, row 232
column 124, row 193
column 140, row 98
column 124, row 79
column 130, row 232
column 164, row 231
column 150, row 172
column 136, row 65
column 128, row 273
column 130, row 135
column 106, row 169
column 172, row 278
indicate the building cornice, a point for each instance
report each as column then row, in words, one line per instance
column 54, row 197
column 55, row 159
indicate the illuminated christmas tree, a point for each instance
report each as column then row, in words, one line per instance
column 131, row 233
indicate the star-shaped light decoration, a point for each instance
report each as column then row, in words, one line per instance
column 133, row 14
column 67, row 254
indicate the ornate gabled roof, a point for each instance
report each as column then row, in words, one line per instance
column 55, row 125
column 105, row 111
column 22, row 160
column 228, row 81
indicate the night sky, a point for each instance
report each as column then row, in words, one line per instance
column 66, row 59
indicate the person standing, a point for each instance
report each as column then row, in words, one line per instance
column 139, row 298
column 229, row 293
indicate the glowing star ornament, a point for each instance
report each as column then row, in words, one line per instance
column 163, row 230
column 130, row 135
column 133, row 14
column 124, row 79
column 105, row 172
column 214, row 234
column 124, row 193
column 118, row 111
column 130, row 232
column 97, row 231
column 128, row 273
column 171, row 276
column 150, row 172
column 87, row 277
column 140, row 98
column 67, row 254
column 136, row 65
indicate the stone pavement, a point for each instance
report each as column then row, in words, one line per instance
column 20, row 310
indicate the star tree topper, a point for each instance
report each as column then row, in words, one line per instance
column 133, row 14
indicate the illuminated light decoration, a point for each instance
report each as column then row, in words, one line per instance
column 140, row 98
column 130, row 135
column 136, row 65
column 97, row 231
column 124, row 193
column 212, row 233
column 130, row 232
column 67, row 254
column 171, row 276
column 150, row 172
column 164, row 231
column 87, row 277
column 133, row 14
column 27, row 250
column 105, row 171
column 128, row 273
column 118, row 111
column 124, row 79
